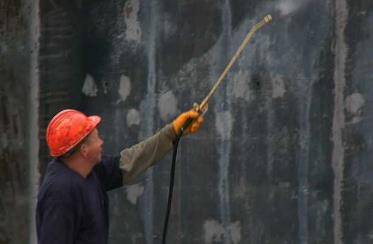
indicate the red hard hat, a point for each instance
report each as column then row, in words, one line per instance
column 67, row 129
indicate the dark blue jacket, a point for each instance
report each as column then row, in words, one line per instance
column 72, row 209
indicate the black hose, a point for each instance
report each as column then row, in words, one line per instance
column 171, row 189
column 172, row 179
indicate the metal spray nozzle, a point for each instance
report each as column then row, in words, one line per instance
column 203, row 105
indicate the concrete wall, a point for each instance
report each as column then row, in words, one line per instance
column 284, row 155
column 17, row 117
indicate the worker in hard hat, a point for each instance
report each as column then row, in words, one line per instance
column 72, row 206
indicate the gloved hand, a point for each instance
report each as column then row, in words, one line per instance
column 182, row 118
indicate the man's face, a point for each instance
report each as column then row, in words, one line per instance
column 93, row 147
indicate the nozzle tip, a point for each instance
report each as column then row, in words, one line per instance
column 268, row 18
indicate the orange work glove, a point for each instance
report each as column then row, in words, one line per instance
column 182, row 118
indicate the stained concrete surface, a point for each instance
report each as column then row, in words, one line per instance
column 284, row 155
column 15, row 53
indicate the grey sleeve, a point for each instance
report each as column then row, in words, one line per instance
column 136, row 159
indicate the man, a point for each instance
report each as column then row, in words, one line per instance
column 72, row 205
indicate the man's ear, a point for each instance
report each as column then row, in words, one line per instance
column 84, row 150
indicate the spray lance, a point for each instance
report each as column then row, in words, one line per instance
column 202, row 108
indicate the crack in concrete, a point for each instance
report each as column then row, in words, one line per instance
column 33, row 131
column 341, row 51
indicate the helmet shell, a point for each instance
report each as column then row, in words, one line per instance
column 67, row 129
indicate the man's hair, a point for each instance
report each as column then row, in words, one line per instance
column 75, row 149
